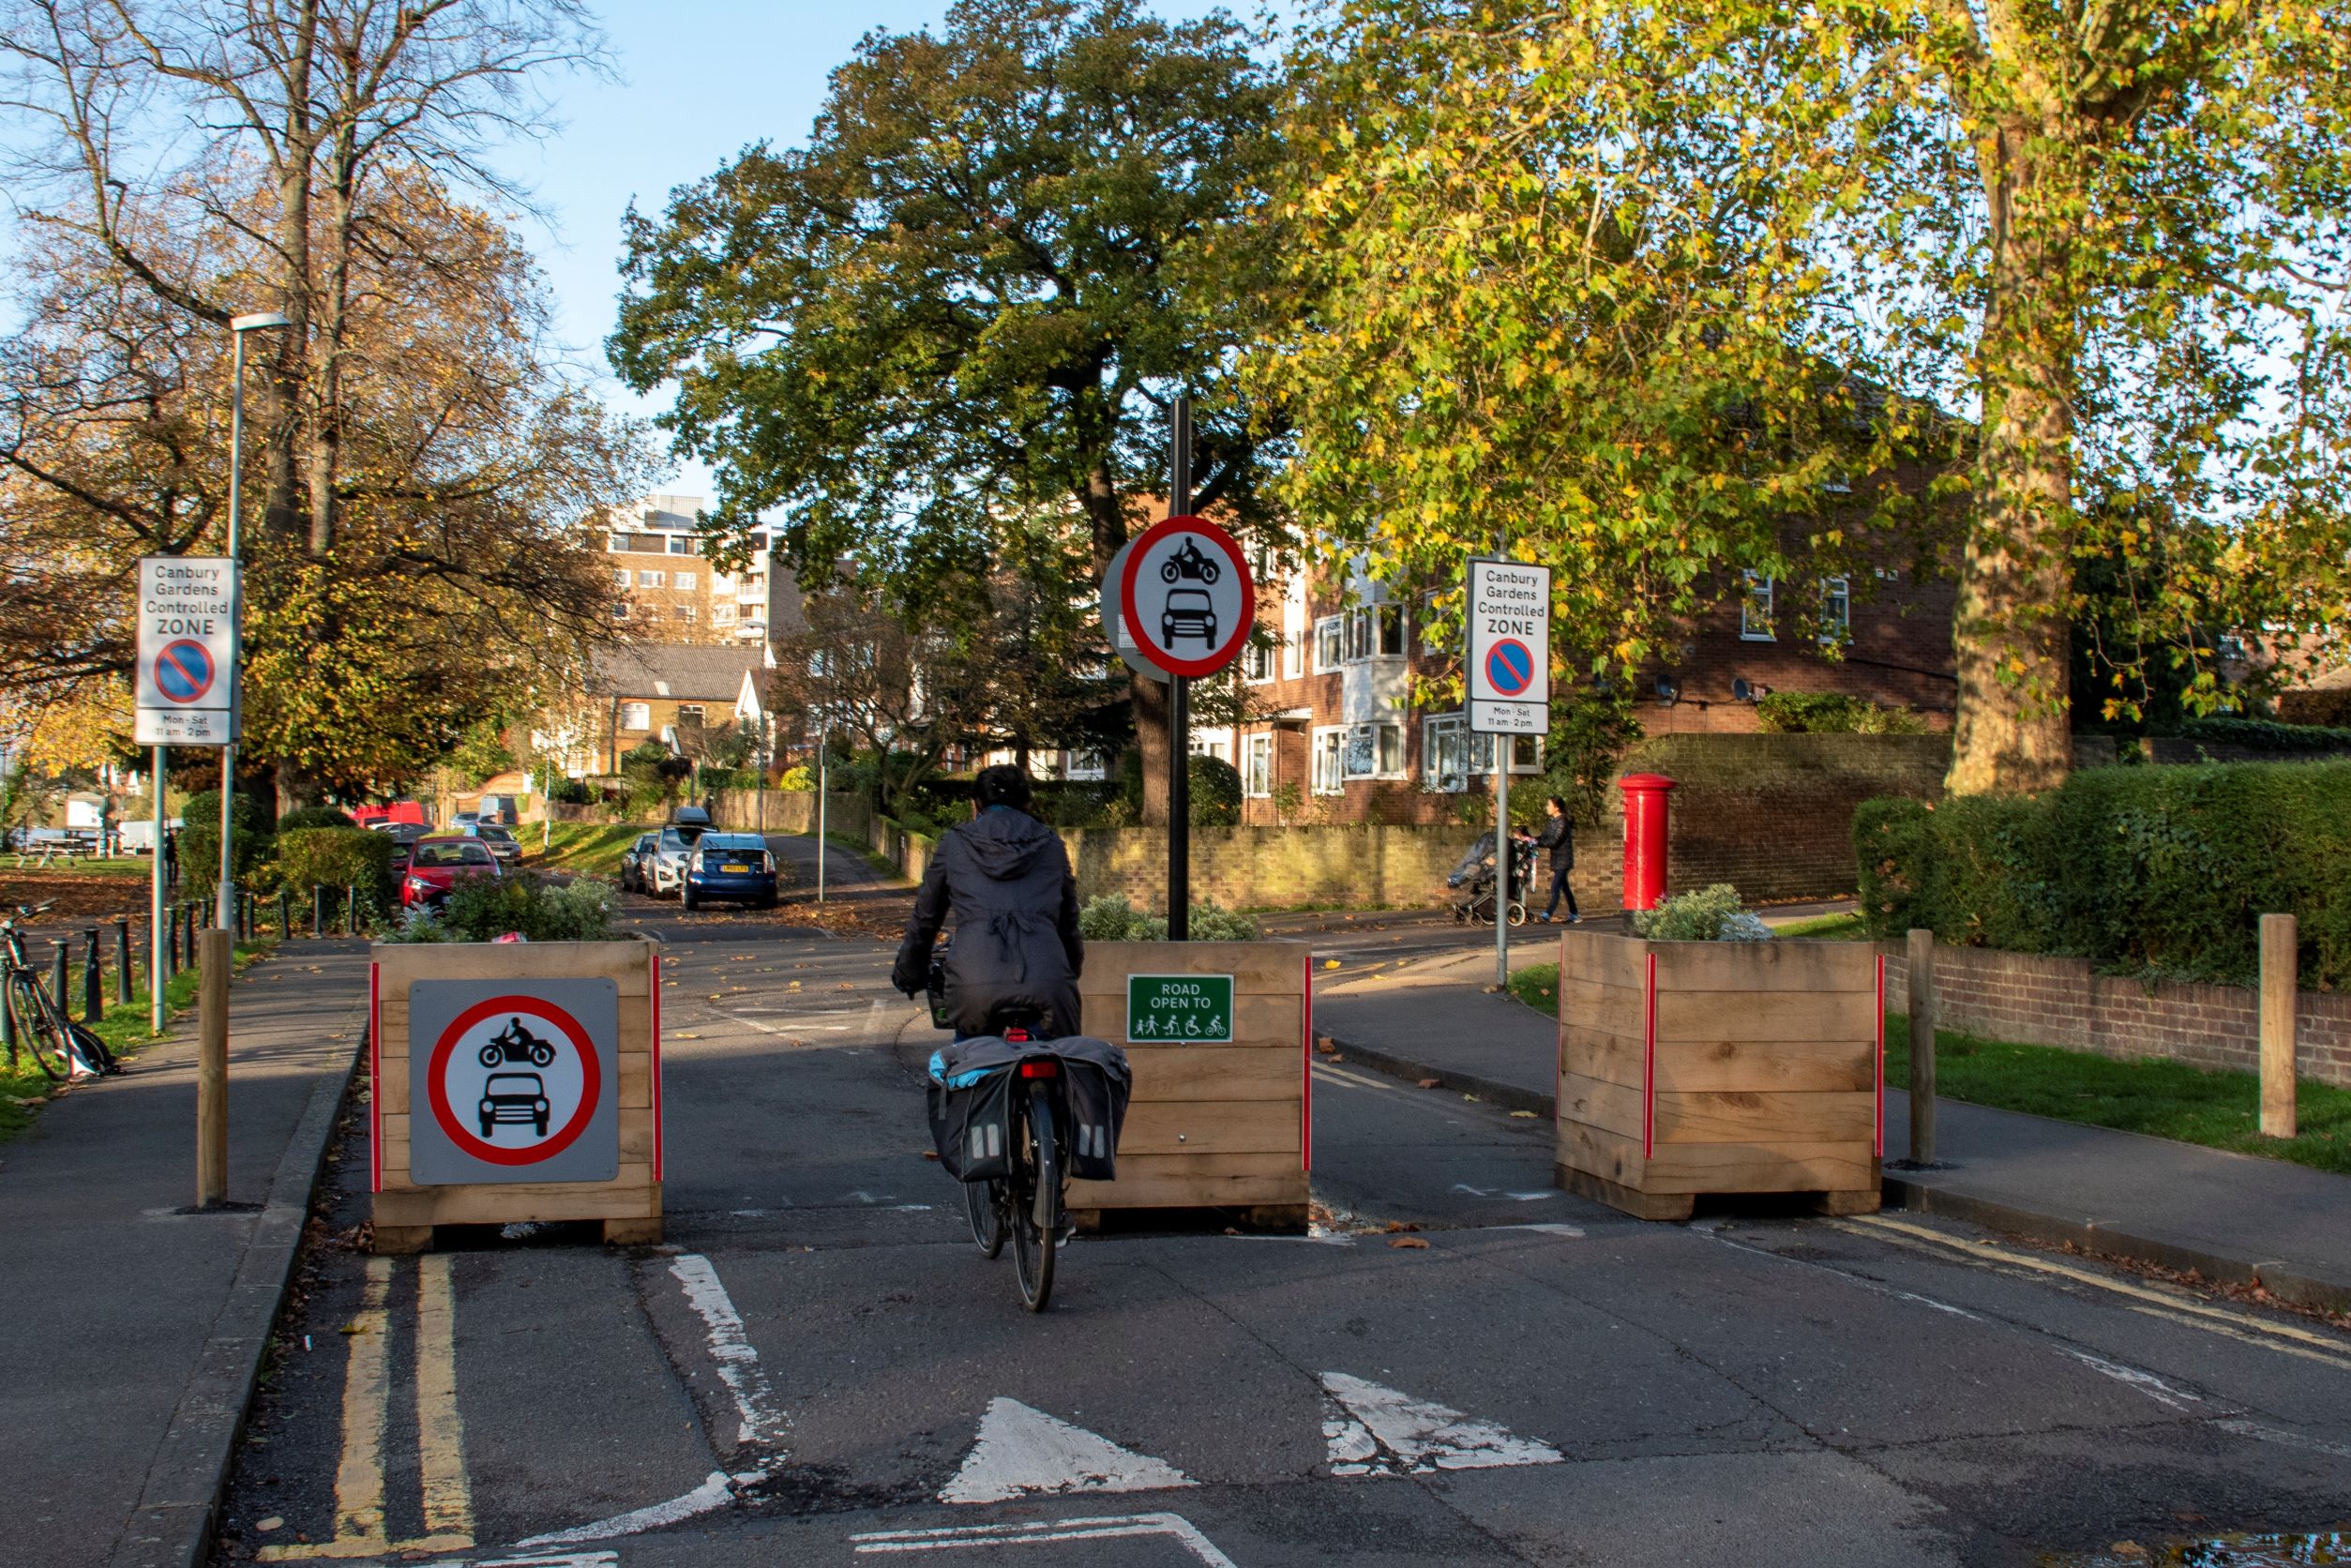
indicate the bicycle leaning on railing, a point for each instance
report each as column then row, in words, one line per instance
column 38, row 1023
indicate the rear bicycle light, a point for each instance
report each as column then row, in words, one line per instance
column 1046, row 1067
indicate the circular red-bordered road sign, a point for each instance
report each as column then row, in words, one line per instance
column 183, row 671
column 1224, row 556
column 437, row 1083
column 1510, row 668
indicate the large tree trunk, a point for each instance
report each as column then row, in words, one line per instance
column 2012, row 734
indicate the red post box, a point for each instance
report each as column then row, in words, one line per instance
column 1644, row 839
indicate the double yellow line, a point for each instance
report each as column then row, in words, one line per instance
column 448, row 1498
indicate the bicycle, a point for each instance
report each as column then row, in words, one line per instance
column 1028, row 1206
column 38, row 1023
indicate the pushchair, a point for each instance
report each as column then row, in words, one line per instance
column 1473, row 879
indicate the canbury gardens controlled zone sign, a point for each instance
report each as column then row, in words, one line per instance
column 513, row 1080
column 1195, row 1009
column 187, row 678
column 1509, row 648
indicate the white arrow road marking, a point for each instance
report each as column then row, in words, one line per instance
column 1022, row 1451
column 1377, row 1431
column 1179, row 1529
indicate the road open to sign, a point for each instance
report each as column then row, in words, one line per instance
column 1510, row 647
column 1187, row 598
column 513, row 1080
column 1194, row 1009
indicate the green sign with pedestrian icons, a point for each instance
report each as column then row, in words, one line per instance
column 1195, row 1009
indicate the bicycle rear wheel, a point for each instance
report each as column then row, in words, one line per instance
column 34, row 1027
column 982, row 1206
column 1033, row 1243
column 93, row 1051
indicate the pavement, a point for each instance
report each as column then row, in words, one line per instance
column 136, row 1327
column 2229, row 1216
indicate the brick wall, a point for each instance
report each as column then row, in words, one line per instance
column 1367, row 866
column 2046, row 1000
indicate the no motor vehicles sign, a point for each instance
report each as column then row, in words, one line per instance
column 1184, row 598
column 187, row 677
column 513, row 1080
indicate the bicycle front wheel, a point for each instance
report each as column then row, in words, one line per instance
column 34, row 1028
column 1032, row 1241
column 982, row 1205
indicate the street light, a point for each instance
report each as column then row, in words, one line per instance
column 255, row 321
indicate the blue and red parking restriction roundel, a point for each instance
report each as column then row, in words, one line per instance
column 1509, row 666
column 184, row 671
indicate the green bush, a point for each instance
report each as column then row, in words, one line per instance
column 335, row 858
column 313, row 816
column 568, row 792
column 1215, row 792
column 1109, row 917
column 200, row 838
column 1825, row 713
column 483, row 908
column 2262, row 735
column 1705, row 914
column 2162, row 871
column 799, row 778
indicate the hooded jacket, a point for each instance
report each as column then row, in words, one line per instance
column 1006, row 877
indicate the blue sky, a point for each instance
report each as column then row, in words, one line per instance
column 699, row 81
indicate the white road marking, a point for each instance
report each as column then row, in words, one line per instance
column 712, row 1495
column 2145, row 1382
column 2292, row 1440
column 1130, row 1525
column 1022, row 1451
column 738, row 1363
column 1373, row 1430
column 1502, row 1192
column 1572, row 1231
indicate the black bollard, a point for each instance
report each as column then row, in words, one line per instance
column 60, row 977
column 188, row 936
column 93, row 978
column 122, row 961
column 165, row 952
column 285, row 914
column 351, row 910
column 318, row 911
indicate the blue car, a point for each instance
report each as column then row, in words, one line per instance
column 733, row 866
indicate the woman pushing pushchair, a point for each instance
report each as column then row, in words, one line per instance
column 1473, row 879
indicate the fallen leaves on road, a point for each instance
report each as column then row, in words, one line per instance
column 1426, row 1083
column 930, row 1153
column 1406, row 1240
column 1396, row 1226
column 1522, row 1115
column 1324, row 1044
column 685, row 1035
column 1330, row 964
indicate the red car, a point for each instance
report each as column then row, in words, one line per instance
column 436, row 865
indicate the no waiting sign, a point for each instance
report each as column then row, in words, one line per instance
column 187, row 679
column 1509, row 648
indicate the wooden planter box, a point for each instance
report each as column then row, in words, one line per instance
column 1689, row 1067
column 620, row 1134
column 1212, row 1122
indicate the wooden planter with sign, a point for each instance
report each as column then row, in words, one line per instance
column 1690, row 1067
column 1217, row 1033
column 515, row 1081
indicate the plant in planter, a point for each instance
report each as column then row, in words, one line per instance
column 1698, row 1056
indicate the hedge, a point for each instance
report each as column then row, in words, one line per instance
column 335, row 858
column 2156, row 871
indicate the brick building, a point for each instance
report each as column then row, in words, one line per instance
column 649, row 691
column 1333, row 734
column 665, row 591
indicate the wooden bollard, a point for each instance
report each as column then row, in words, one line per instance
column 2281, row 989
column 1922, row 986
column 212, row 1071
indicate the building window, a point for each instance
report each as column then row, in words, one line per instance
column 1328, row 744
column 1836, row 612
column 1256, row 773
column 1293, row 656
column 689, row 715
column 1755, row 610
column 1089, row 766
column 1330, row 635
column 635, row 716
column 1451, row 756
column 684, row 612
column 652, row 580
column 680, row 544
column 722, row 615
column 620, row 577
column 682, row 581
column 1376, row 631
column 1374, row 751
column 620, row 610
column 1216, row 743
column 1257, row 663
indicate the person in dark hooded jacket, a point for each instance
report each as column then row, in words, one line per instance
column 1006, row 876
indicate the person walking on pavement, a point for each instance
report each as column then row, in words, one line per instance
column 1558, row 836
column 1006, row 876
column 171, row 857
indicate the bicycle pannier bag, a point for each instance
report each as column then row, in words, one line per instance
column 970, row 1084
column 1095, row 1084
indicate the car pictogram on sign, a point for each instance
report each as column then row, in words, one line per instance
column 1189, row 613
column 515, row 1097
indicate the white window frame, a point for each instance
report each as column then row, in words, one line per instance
column 636, row 717
column 722, row 615
column 696, row 712
column 682, row 544
column 1257, row 663
column 1836, row 611
column 1752, row 628
column 682, row 581
column 620, row 610
column 653, row 580
column 1363, row 740
column 1328, row 758
column 1443, row 731
column 1330, row 636
column 1256, row 765
column 684, row 612
column 617, row 544
column 622, row 577
column 1294, row 657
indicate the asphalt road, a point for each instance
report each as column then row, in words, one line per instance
column 819, row 1368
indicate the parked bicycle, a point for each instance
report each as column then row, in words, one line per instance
column 38, row 1023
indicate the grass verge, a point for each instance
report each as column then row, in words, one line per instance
column 117, row 865
column 2163, row 1099
column 593, row 847
column 23, row 1088
column 1825, row 927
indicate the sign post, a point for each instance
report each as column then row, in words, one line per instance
column 1510, row 695
column 1179, row 604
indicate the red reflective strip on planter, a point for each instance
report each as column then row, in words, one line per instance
column 375, row 1082
column 1649, row 1063
column 1878, row 1142
column 656, row 1064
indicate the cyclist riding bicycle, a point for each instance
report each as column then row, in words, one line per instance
column 1006, row 877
